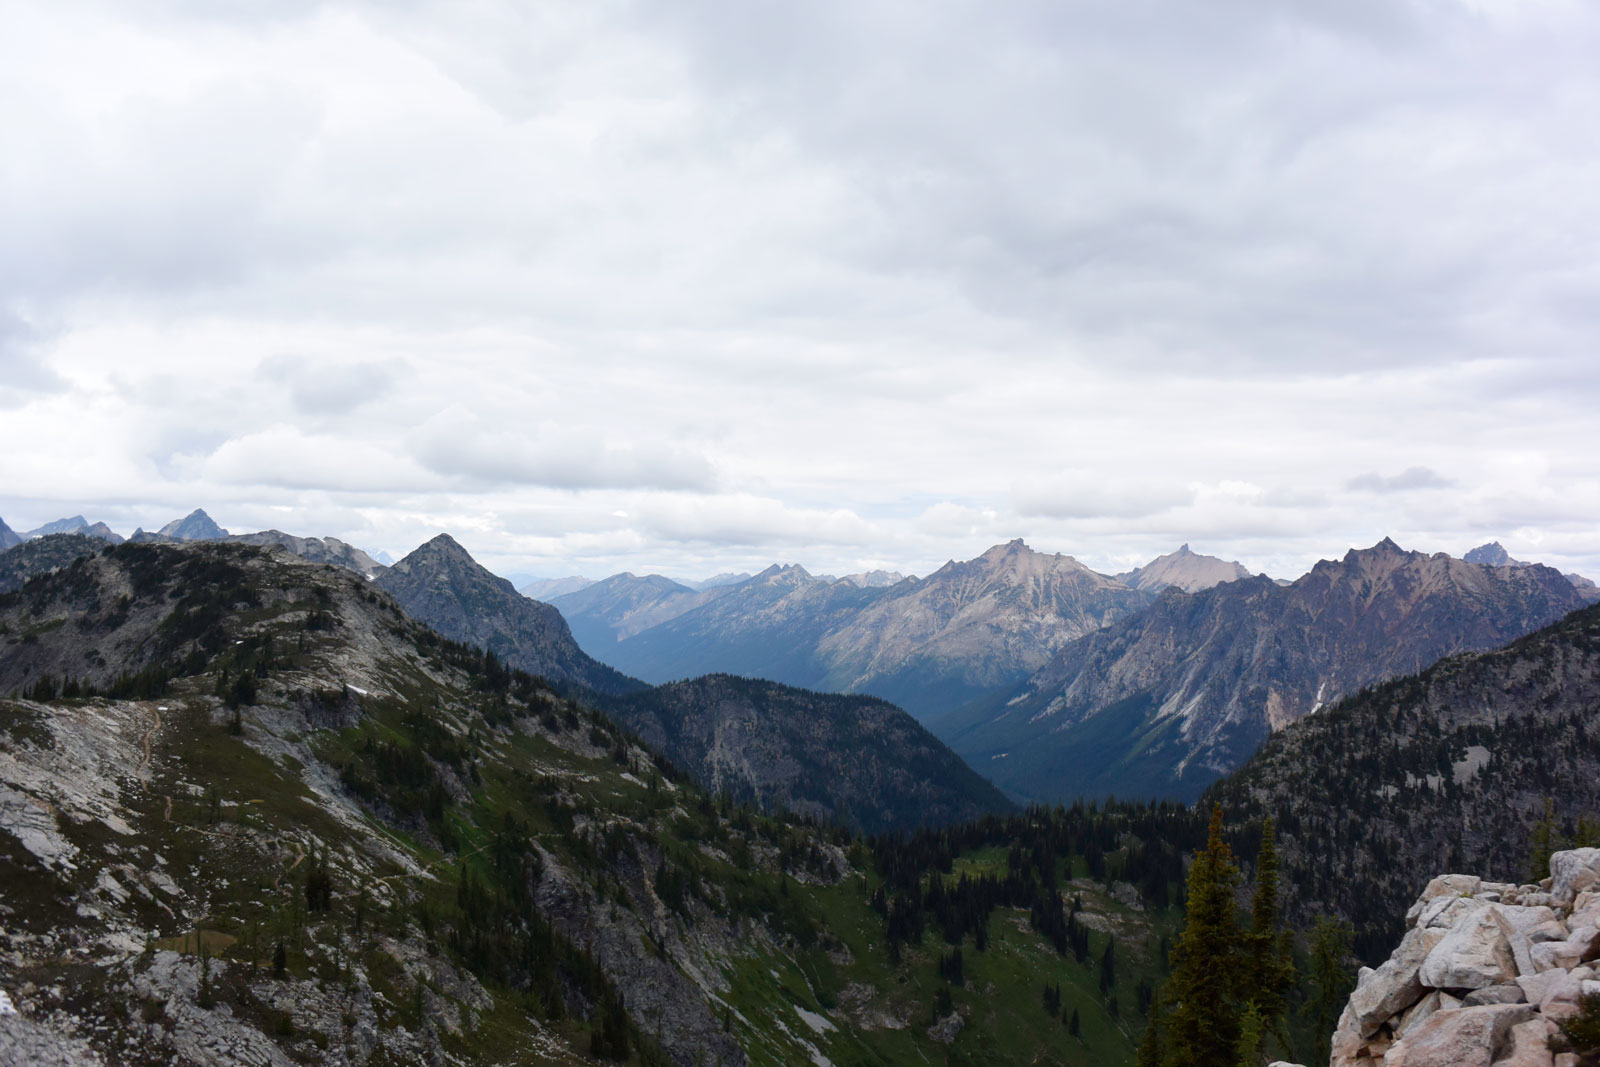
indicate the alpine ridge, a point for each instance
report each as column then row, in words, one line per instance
column 1165, row 702
column 927, row 644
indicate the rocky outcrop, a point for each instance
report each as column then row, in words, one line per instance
column 1486, row 973
column 9, row 538
column 315, row 549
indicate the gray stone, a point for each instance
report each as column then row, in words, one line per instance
column 1469, row 1037
column 1572, row 871
column 1475, row 953
column 1509, row 993
column 1530, row 1046
column 1394, row 986
column 1418, row 1013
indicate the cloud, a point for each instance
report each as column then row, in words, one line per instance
column 459, row 444
column 286, row 458
column 824, row 281
column 1411, row 478
column 1088, row 497
column 321, row 388
column 747, row 520
column 23, row 374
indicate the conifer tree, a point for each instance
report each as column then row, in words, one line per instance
column 1204, row 1026
column 1252, row 1024
column 1329, row 979
column 1152, row 1049
column 1269, row 968
column 1544, row 844
column 1108, row 966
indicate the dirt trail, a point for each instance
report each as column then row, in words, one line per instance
column 300, row 855
column 144, row 764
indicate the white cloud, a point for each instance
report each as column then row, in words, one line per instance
column 460, row 444
column 695, row 287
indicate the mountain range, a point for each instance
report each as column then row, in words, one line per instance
column 221, row 755
column 928, row 644
column 1166, row 701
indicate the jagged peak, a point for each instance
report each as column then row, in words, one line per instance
column 1014, row 547
column 782, row 570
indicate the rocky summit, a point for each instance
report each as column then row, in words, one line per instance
column 1486, row 973
column 1184, row 569
column 441, row 584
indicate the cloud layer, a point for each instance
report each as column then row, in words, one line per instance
column 696, row 287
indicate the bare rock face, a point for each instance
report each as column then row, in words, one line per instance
column 1468, row 1037
column 1183, row 569
column 1485, row 974
column 1393, row 986
column 1573, row 871
column 1476, row 953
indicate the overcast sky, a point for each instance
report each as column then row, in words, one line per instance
column 695, row 287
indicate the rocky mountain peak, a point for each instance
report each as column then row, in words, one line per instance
column 76, row 524
column 784, row 574
column 440, row 549
column 195, row 526
column 1184, row 569
column 1009, row 550
column 1492, row 554
column 9, row 538
column 440, row 584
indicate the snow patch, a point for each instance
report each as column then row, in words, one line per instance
column 6, row 1007
column 819, row 1023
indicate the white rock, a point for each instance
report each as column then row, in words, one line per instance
column 1469, row 1037
column 1394, row 986
column 1530, row 1046
column 1536, row 987
column 1573, row 871
column 1475, row 953
column 1455, row 885
column 1417, row 1014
